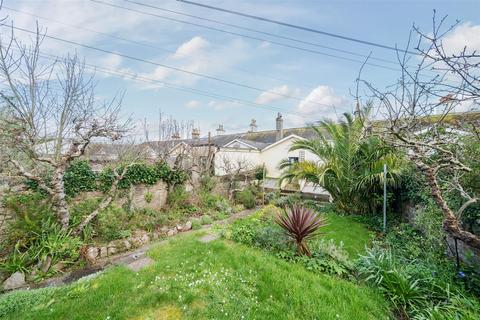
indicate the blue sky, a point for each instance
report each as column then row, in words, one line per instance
column 320, row 85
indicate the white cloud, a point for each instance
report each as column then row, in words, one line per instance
column 275, row 94
column 321, row 102
column 197, row 55
column 194, row 46
column 192, row 104
column 464, row 35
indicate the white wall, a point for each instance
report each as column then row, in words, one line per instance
column 273, row 155
column 270, row 156
column 249, row 157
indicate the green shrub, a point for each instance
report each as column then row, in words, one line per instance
column 405, row 291
column 139, row 173
column 206, row 219
column 196, row 224
column 31, row 215
column 148, row 197
column 147, row 219
column 207, row 183
column 111, row 222
column 209, row 200
column 16, row 261
column 260, row 231
column 245, row 230
column 328, row 257
column 284, row 201
column 178, row 198
column 105, row 179
column 246, row 198
column 79, row 177
column 259, row 172
column 56, row 244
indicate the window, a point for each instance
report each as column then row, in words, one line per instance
column 293, row 159
column 302, row 155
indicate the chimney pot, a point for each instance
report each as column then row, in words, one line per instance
column 279, row 126
column 253, row 125
column 220, row 130
column 195, row 133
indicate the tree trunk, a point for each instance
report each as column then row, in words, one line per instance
column 451, row 225
column 59, row 198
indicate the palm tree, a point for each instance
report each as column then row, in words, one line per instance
column 350, row 165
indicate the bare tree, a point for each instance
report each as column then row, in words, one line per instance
column 50, row 116
column 170, row 133
column 420, row 117
column 233, row 170
column 123, row 155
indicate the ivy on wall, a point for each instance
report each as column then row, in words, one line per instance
column 80, row 177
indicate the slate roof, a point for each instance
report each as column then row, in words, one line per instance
column 255, row 144
column 260, row 139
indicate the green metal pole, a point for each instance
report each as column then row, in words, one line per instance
column 385, row 198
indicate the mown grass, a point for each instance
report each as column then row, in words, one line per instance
column 354, row 235
column 194, row 280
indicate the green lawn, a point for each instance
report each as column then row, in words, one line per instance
column 194, row 280
column 355, row 235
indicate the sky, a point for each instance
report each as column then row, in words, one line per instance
column 194, row 72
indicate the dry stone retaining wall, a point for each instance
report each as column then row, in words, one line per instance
column 138, row 239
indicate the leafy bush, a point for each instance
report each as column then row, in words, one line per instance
column 148, row 197
column 246, row 197
column 16, row 261
column 31, row 216
column 206, row 219
column 245, row 230
column 56, row 244
column 207, row 183
column 196, row 224
column 334, row 259
column 141, row 173
column 286, row 201
column 404, row 290
column 415, row 288
column 178, row 198
column 79, row 177
column 260, row 231
column 259, row 172
column 301, row 224
column 111, row 222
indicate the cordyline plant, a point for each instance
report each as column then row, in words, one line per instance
column 300, row 224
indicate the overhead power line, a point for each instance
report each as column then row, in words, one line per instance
column 162, row 84
column 261, row 32
column 290, row 25
column 148, row 45
column 247, row 36
column 197, row 74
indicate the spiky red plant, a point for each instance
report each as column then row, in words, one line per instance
column 301, row 224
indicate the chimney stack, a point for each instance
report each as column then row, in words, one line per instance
column 253, row 125
column 176, row 136
column 279, row 126
column 220, row 130
column 195, row 133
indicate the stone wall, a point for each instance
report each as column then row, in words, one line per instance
column 466, row 253
column 94, row 253
column 138, row 196
column 152, row 197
